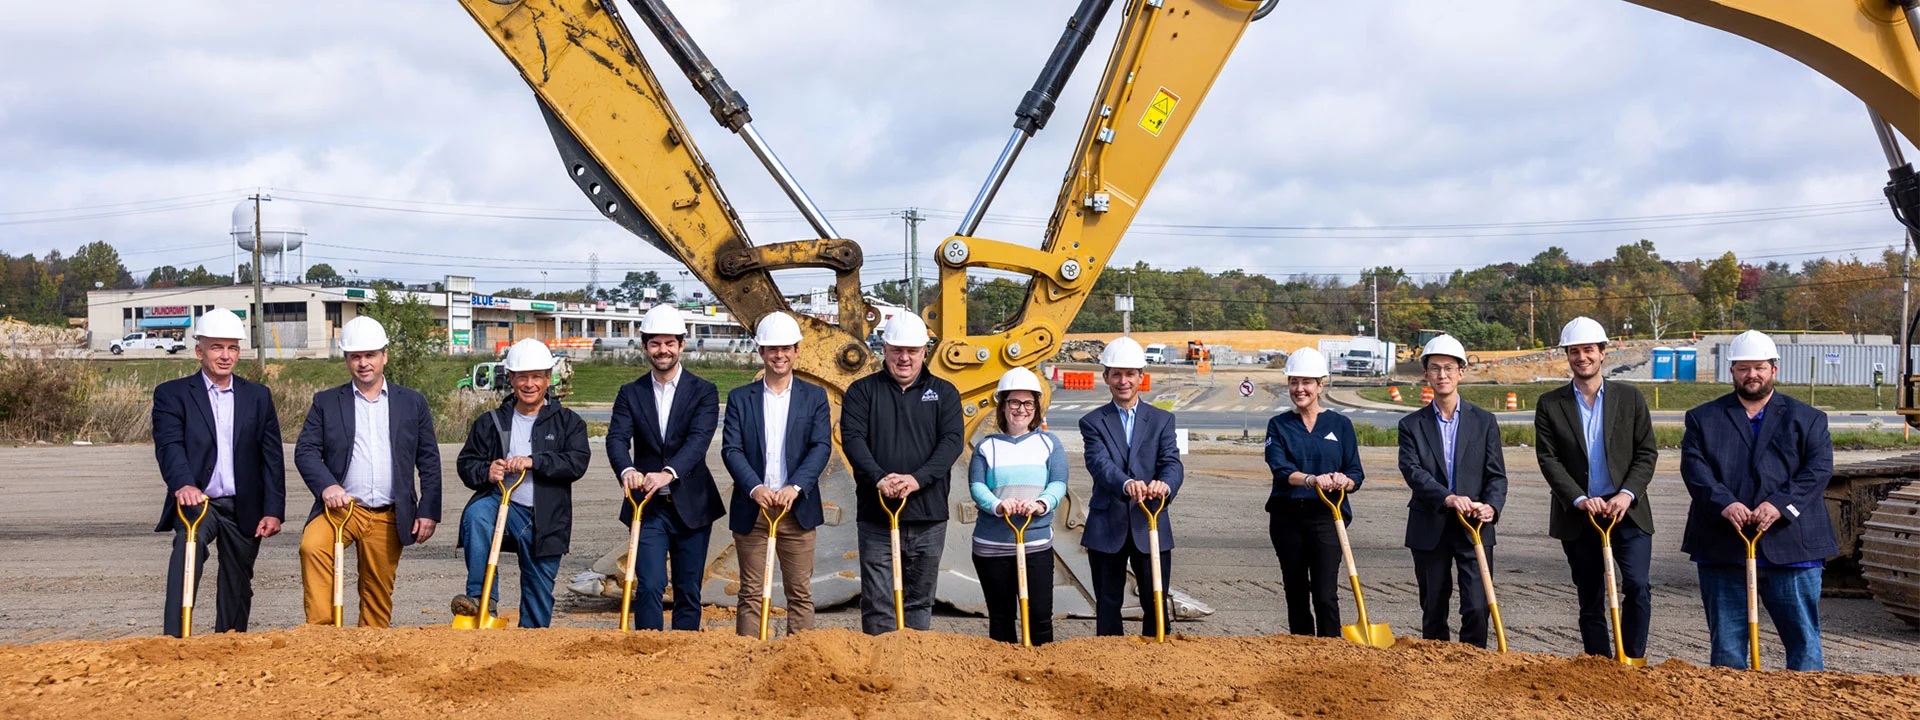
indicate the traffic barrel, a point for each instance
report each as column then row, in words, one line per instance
column 1426, row 396
column 1513, row 401
column 1394, row 392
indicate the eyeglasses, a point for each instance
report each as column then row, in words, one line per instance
column 1442, row 370
column 1028, row 404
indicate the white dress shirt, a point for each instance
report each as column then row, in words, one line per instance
column 220, row 485
column 370, row 469
column 775, row 428
column 663, row 398
column 520, row 444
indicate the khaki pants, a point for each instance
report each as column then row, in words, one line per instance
column 377, row 542
column 795, row 550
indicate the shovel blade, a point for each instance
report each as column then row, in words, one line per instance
column 1381, row 636
column 471, row 622
column 1636, row 662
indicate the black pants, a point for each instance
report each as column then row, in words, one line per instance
column 1309, row 550
column 1434, row 570
column 1110, row 587
column 1633, row 551
column 233, row 601
column 1000, row 584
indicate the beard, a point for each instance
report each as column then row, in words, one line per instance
column 1761, row 389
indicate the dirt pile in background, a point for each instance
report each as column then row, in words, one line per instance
column 438, row 672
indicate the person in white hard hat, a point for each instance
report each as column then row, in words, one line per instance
column 1020, row 475
column 217, row 440
column 1451, row 458
column 1309, row 450
column 1608, row 485
column 776, row 440
column 1757, row 461
column 1133, row 455
column 532, row 434
column 663, row 422
column 901, row 430
column 361, row 445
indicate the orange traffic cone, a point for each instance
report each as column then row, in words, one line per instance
column 1513, row 401
column 1394, row 392
column 1426, row 396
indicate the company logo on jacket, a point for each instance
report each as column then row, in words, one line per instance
column 929, row 396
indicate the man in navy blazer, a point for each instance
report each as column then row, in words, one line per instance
column 1133, row 456
column 360, row 446
column 217, row 440
column 1450, row 456
column 1757, row 460
column 657, row 444
column 775, row 442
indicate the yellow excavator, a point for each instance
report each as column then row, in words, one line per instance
column 627, row 149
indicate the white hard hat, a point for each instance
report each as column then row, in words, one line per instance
column 529, row 354
column 220, row 323
column 1582, row 330
column 1444, row 345
column 1018, row 378
column 362, row 334
column 663, row 320
column 1124, row 352
column 1306, row 362
column 777, row 329
column 1752, row 345
column 905, row 330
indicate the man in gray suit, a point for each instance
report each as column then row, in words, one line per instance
column 1594, row 441
column 1450, row 455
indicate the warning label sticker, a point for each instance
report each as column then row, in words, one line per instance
column 1159, row 111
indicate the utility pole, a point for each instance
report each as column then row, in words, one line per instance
column 1124, row 303
column 914, row 218
column 1530, row 341
column 1376, row 303
column 259, row 306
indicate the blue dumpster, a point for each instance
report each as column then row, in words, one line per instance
column 1663, row 363
column 1685, row 364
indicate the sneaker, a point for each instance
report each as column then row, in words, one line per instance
column 466, row 605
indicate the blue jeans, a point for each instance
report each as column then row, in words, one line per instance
column 921, row 545
column 1791, row 597
column 664, row 538
column 536, row 574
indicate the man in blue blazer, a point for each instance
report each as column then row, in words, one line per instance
column 1450, row 456
column 1133, row 456
column 217, row 440
column 657, row 444
column 1757, row 460
column 776, row 440
column 361, row 445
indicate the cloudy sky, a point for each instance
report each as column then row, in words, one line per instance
column 404, row 135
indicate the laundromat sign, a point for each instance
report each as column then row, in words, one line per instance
column 167, row 311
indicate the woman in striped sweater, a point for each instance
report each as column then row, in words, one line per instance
column 1018, row 472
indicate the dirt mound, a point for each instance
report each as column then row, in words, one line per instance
column 565, row 673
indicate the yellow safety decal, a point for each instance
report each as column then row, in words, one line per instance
column 1159, row 111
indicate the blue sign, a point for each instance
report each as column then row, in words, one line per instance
column 488, row 301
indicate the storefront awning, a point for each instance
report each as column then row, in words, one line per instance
column 166, row 322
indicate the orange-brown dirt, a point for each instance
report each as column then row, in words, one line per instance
column 566, row 673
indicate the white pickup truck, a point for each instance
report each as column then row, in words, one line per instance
column 146, row 341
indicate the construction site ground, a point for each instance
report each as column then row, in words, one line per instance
column 80, row 595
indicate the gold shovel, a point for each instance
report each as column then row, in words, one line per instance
column 1486, row 576
column 766, row 575
column 339, row 562
column 1020, row 566
column 1362, row 632
column 899, row 590
column 633, row 556
column 186, row 570
column 1153, row 561
column 485, row 620
column 1613, row 592
column 1753, row 596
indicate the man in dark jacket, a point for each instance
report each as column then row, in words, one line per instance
column 1757, row 461
column 531, row 436
column 217, row 440
column 1450, row 456
column 777, row 439
column 1132, row 453
column 1596, row 449
column 358, row 452
column 657, row 445
column 901, row 430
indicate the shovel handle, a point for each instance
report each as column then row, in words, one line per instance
column 1153, row 566
column 1486, row 576
column 493, row 553
column 766, row 574
column 339, row 561
column 1335, row 501
column 893, row 537
column 1753, row 594
column 186, row 569
column 633, row 552
column 1020, row 570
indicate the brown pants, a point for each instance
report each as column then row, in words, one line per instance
column 377, row 542
column 795, row 550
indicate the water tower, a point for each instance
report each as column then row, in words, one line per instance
column 282, row 229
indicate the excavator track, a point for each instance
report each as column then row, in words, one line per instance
column 1890, row 553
